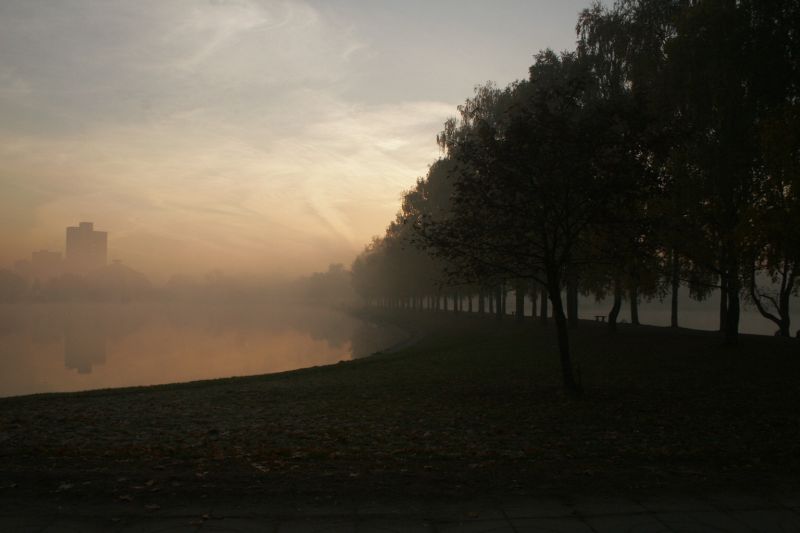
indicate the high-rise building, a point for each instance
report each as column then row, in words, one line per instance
column 86, row 248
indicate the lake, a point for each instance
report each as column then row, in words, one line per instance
column 72, row 347
column 51, row 347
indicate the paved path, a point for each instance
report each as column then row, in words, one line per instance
column 724, row 512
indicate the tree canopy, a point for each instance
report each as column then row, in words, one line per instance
column 664, row 149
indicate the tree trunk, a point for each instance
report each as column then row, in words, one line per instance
column 732, row 316
column 572, row 300
column 614, row 313
column 534, row 301
column 723, row 305
column 469, row 303
column 676, row 284
column 634, row 294
column 490, row 297
column 562, row 331
column 499, row 311
column 519, row 293
column 783, row 318
column 543, row 308
column 481, row 303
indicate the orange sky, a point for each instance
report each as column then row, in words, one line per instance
column 242, row 135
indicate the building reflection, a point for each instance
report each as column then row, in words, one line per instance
column 84, row 343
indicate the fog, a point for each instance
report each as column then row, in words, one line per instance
column 253, row 137
column 60, row 347
column 215, row 164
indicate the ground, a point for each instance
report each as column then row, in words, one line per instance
column 472, row 411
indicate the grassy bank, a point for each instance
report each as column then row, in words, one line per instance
column 473, row 409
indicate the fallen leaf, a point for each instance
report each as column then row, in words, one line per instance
column 260, row 467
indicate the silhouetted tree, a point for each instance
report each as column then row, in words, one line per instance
column 665, row 150
column 720, row 81
column 540, row 169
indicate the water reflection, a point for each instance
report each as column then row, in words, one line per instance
column 84, row 343
column 67, row 347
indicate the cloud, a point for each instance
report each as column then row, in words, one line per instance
column 230, row 127
column 183, row 180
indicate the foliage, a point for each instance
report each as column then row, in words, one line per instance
column 665, row 148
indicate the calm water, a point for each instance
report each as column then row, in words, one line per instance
column 71, row 347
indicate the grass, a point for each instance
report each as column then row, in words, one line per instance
column 474, row 409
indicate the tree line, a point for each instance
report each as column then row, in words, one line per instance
column 119, row 283
column 663, row 150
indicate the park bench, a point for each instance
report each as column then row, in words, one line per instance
column 599, row 318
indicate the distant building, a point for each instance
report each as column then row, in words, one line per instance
column 23, row 268
column 45, row 264
column 87, row 249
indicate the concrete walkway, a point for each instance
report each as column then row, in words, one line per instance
column 723, row 512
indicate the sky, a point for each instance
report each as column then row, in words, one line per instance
column 249, row 136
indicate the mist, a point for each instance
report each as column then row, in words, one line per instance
column 252, row 137
column 383, row 265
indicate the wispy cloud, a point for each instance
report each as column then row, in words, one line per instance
column 260, row 134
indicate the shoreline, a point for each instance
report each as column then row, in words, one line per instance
column 385, row 338
column 472, row 410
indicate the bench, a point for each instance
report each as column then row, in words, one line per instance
column 599, row 318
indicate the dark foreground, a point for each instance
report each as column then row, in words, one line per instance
column 472, row 415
